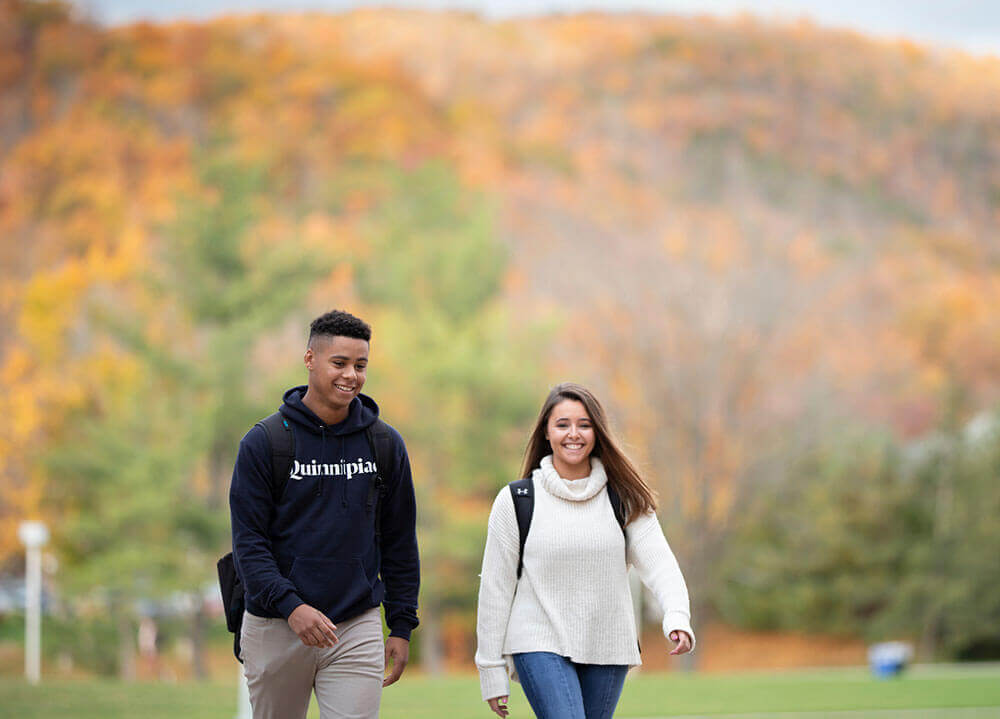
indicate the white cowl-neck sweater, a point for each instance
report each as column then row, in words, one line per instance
column 573, row 596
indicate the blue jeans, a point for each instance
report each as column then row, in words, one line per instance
column 560, row 689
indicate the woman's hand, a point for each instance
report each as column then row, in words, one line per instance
column 682, row 640
column 499, row 706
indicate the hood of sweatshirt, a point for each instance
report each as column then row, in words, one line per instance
column 361, row 413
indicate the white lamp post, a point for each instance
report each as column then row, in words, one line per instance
column 33, row 535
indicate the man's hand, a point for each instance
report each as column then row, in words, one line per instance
column 397, row 653
column 683, row 641
column 499, row 706
column 313, row 627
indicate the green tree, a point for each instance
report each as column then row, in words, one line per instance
column 143, row 483
column 949, row 595
column 875, row 539
column 822, row 551
column 456, row 374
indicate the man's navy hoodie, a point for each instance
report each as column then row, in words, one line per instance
column 317, row 544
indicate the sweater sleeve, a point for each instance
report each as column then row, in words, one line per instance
column 652, row 557
column 497, row 585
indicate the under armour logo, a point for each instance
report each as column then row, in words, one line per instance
column 522, row 490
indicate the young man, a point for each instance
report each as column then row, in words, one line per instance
column 313, row 565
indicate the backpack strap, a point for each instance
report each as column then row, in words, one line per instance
column 523, row 493
column 617, row 506
column 282, row 441
column 380, row 443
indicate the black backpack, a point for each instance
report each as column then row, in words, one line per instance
column 523, row 493
column 282, row 443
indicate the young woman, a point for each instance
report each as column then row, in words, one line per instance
column 565, row 628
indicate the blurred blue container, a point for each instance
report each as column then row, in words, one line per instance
column 889, row 659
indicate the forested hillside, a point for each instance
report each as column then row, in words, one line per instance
column 774, row 249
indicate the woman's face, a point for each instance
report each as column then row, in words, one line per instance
column 571, row 435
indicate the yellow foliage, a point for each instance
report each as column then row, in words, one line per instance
column 48, row 304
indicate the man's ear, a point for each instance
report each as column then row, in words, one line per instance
column 308, row 357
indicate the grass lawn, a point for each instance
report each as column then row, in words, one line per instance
column 938, row 693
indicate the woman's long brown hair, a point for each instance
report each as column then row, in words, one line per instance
column 636, row 495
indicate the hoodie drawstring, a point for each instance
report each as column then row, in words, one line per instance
column 343, row 483
column 322, row 454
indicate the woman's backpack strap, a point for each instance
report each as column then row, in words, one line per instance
column 523, row 493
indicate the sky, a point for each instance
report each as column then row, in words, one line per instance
column 971, row 25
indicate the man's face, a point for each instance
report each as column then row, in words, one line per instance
column 337, row 368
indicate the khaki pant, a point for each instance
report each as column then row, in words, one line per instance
column 282, row 672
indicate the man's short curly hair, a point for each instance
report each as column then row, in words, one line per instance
column 340, row 324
